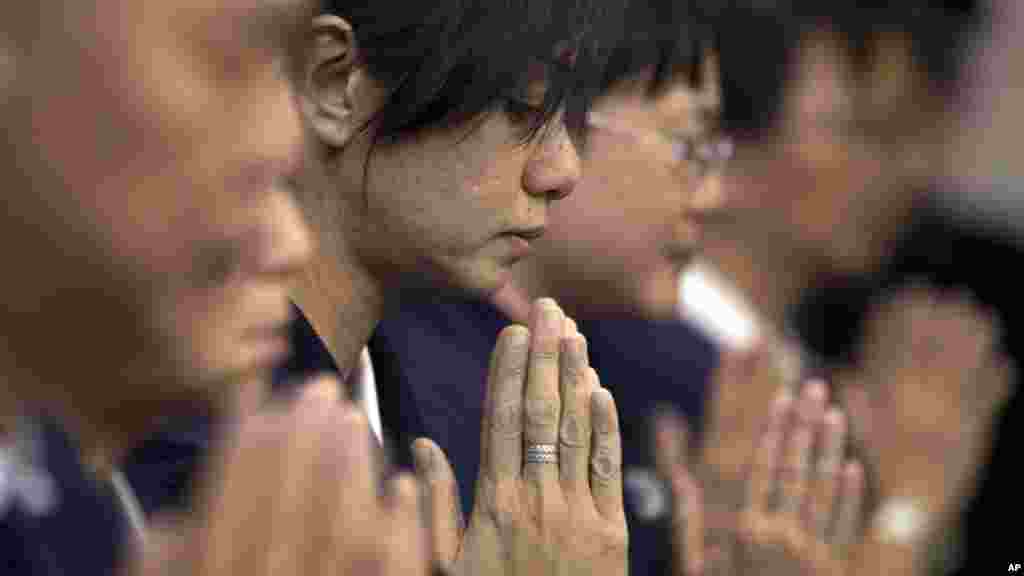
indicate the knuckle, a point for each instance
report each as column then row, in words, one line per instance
column 616, row 537
column 571, row 431
column 571, row 373
column 604, row 465
column 507, row 420
column 512, row 368
column 501, row 503
column 541, row 411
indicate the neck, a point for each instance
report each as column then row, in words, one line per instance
column 344, row 304
column 773, row 282
column 339, row 295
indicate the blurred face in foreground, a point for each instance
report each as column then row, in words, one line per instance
column 147, row 214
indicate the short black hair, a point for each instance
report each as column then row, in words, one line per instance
column 454, row 59
column 757, row 41
column 670, row 37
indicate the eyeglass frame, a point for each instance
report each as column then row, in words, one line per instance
column 709, row 151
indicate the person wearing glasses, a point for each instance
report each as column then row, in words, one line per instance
column 840, row 119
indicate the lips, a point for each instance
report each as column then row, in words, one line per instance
column 528, row 234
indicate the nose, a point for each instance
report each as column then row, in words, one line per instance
column 553, row 169
column 287, row 239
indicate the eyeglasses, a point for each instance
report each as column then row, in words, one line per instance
column 703, row 153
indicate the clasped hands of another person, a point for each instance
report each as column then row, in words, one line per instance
column 780, row 499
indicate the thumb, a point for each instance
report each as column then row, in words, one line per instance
column 169, row 548
column 441, row 490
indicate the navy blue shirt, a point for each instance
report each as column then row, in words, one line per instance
column 85, row 533
column 431, row 358
column 430, row 363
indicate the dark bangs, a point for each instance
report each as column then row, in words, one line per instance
column 672, row 37
column 448, row 61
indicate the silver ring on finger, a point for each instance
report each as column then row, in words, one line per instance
column 542, row 453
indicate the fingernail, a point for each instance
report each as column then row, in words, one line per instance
column 423, row 458
column 551, row 320
column 578, row 346
column 570, row 327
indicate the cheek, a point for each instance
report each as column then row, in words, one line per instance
column 126, row 151
column 624, row 192
column 209, row 323
column 455, row 195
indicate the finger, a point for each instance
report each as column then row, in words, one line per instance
column 574, row 424
column 794, row 476
column 301, row 532
column 826, row 483
column 169, row 548
column 571, row 329
column 404, row 544
column 606, row 455
column 671, row 438
column 503, row 432
column 765, row 462
column 353, row 500
column 542, row 404
column 444, row 515
column 741, row 381
column 234, row 531
column 688, row 524
column 851, row 499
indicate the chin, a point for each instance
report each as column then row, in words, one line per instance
column 480, row 276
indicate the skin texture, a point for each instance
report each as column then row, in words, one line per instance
column 536, row 518
column 800, row 514
column 433, row 209
column 147, row 213
column 635, row 183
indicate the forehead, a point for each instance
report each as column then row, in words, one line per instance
column 194, row 18
column 678, row 105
